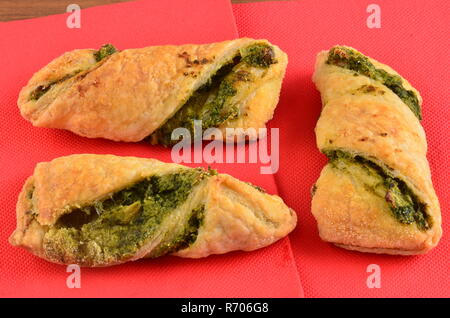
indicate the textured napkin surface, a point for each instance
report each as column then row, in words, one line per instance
column 27, row 46
column 414, row 40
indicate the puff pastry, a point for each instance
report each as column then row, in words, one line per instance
column 143, row 93
column 375, row 194
column 101, row 210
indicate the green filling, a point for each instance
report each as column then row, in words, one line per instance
column 104, row 51
column 207, row 104
column 184, row 238
column 369, row 89
column 259, row 55
column 42, row 89
column 403, row 203
column 116, row 227
column 211, row 103
column 357, row 62
column 262, row 190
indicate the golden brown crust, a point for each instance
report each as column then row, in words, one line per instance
column 378, row 125
column 382, row 250
column 29, row 233
column 237, row 215
column 67, row 182
column 133, row 92
column 67, row 63
column 347, row 214
column 258, row 107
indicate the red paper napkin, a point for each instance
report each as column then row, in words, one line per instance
column 27, row 46
column 414, row 40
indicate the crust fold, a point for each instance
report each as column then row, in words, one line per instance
column 130, row 94
column 237, row 215
column 379, row 126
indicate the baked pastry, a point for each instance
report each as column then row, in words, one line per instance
column 375, row 194
column 101, row 210
column 142, row 93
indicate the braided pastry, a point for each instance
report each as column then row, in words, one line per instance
column 101, row 210
column 148, row 92
column 375, row 194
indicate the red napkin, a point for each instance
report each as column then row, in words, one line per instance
column 414, row 40
column 27, row 46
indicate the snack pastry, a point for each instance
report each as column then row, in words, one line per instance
column 101, row 210
column 375, row 194
column 143, row 93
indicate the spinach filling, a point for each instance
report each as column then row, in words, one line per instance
column 99, row 55
column 211, row 103
column 259, row 55
column 403, row 203
column 104, row 51
column 357, row 62
column 184, row 238
column 120, row 224
column 42, row 89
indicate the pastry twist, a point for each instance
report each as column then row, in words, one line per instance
column 143, row 93
column 101, row 210
column 375, row 194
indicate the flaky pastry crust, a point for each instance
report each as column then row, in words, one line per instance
column 381, row 127
column 130, row 94
column 237, row 215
